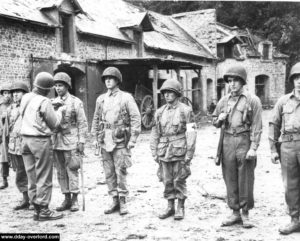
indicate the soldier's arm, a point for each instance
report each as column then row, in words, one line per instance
column 256, row 125
column 82, row 125
column 96, row 120
column 135, row 119
column 275, row 125
column 154, row 137
column 51, row 117
column 191, row 135
column 216, row 122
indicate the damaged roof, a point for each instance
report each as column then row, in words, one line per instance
column 107, row 19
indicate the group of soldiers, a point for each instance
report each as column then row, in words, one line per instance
column 34, row 125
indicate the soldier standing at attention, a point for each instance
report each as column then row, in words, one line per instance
column 117, row 124
column 239, row 113
column 4, row 138
column 14, row 147
column 68, row 142
column 284, row 137
column 170, row 147
column 38, row 120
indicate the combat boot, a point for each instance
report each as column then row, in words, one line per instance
column 75, row 205
column 4, row 183
column 123, row 206
column 179, row 214
column 115, row 206
column 234, row 218
column 293, row 226
column 36, row 212
column 24, row 204
column 46, row 214
column 66, row 204
column 246, row 221
column 170, row 211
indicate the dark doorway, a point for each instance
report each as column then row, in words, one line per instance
column 196, row 95
column 262, row 88
column 220, row 88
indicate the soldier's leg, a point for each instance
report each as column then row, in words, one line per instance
column 230, row 176
column 4, row 166
column 111, row 181
column 246, row 178
column 290, row 170
column 73, row 175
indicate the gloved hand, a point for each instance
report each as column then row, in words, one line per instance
column 274, row 157
column 251, row 155
column 187, row 161
column 130, row 145
column 80, row 147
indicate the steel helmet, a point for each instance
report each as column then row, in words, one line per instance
column 6, row 87
column 238, row 71
column 20, row 85
column 43, row 81
column 173, row 85
column 294, row 71
column 62, row 77
column 112, row 71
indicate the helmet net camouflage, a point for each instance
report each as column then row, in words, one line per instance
column 20, row 85
column 112, row 71
column 172, row 85
column 236, row 71
column 44, row 81
column 295, row 70
column 62, row 77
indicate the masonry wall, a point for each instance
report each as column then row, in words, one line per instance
column 17, row 42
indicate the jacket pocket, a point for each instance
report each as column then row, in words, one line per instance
column 162, row 148
column 179, row 147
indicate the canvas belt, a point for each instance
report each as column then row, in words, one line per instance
column 113, row 126
column 171, row 138
column 290, row 137
column 236, row 131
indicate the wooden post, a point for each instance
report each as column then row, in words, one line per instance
column 203, row 82
column 178, row 75
column 154, row 86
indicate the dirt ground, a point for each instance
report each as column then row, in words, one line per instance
column 205, row 206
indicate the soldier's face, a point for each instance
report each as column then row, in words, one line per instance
column 235, row 84
column 6, row 95
column 297, row 82
column 61, row 89
column 170, row 96
column 110, row 82
column 17, row 95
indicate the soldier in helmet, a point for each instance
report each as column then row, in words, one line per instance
column 4, row 160
column 18, row 89
column 239, row 115
column 284, row 137
column 171, row 148
column 38, row 120
column 68, row 142
column 117, row 124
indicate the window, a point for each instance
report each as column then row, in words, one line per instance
column 67, row 33
column 225, row 51
column 266, row 51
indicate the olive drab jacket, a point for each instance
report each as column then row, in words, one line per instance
column 285, row 121
column 15, row 138
column 4, row 131
column 243, row 116
column 116, row 120
column 73, row 127
column 168, row 137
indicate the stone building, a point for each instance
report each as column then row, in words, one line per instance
column 83, row 37
column 266, row 67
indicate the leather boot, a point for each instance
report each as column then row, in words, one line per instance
column 179, row 214
column 170, row 211
column 234, row 218
column 46, row 214
column 293, row 226
column 115, row 206
column 66, row 204
column 123, row 206
column 246, row 221
column 24, row 204
column 75, row 205
column 4, row 183
column 36, row 212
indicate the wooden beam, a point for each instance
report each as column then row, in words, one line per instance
column 154, row 85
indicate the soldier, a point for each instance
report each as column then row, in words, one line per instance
column 239, row 115
column 4, row 161
column 284, row 137
column 38, row 119
column 170, row 147
column 68, row 142
column 117, row 124
column 14, row 147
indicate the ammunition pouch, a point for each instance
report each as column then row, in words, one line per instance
column 290, row 137
column 74, row 161
column 172, row 146
column 185, row 171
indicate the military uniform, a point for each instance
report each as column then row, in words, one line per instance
column 116, row 122
column 71, row 132
column 4, row 131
